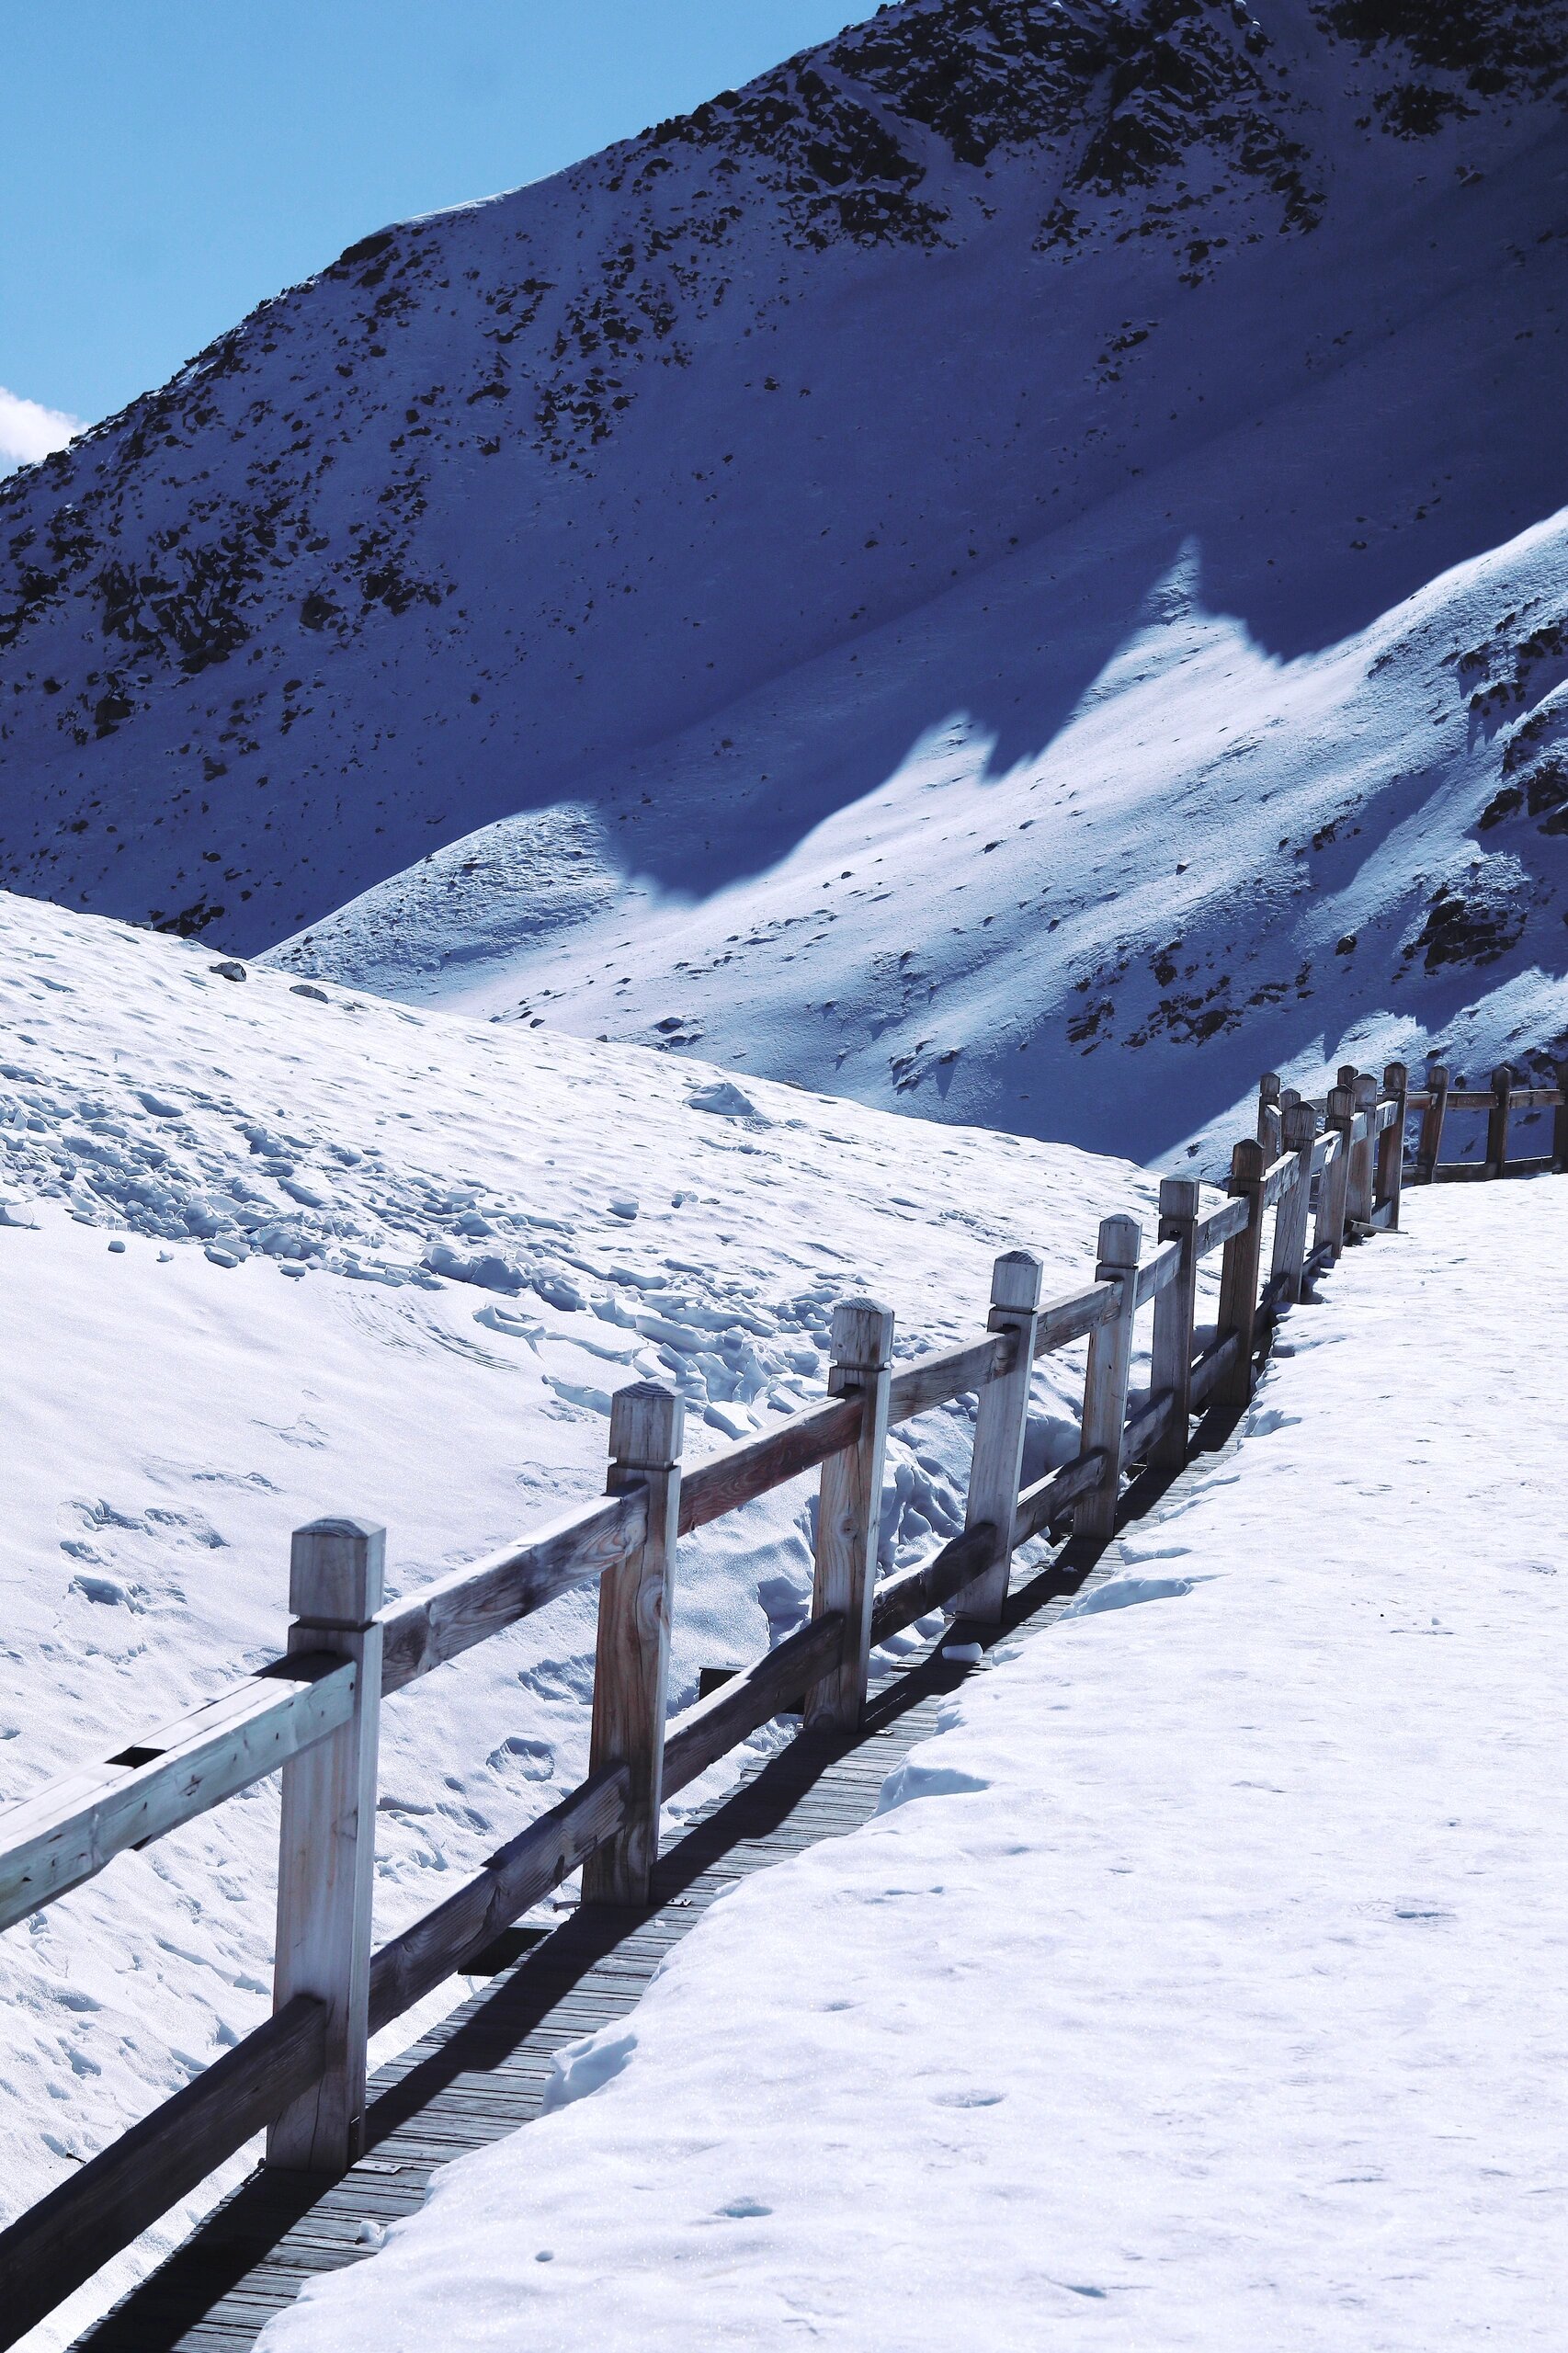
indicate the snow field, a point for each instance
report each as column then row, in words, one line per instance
column 267, row 1255
column 1201, row 1984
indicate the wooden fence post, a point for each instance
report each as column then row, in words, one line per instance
column 1268, row 1113
column 1105, row 1382
column 1497, row 1120
column 1000, row 1422
column 849, row 1510
column 1171, row 1360
column 1238, row 1273
column 1341, row 1111
column 1300, row 1125
column 326, row 1853
column 633, row 1654
column 1431, row 1142
column 1559, row 1123
column 1363, row 1155
column 1391, row 1147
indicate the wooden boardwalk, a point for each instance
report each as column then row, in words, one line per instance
column 481, row 2072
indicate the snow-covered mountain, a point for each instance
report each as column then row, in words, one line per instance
column 853, row 575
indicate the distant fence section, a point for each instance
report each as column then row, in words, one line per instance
column 1315, row 1175
column 1502, row 1099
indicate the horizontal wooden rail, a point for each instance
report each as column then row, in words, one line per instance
column 519, row 1876
column 1147, row 1419
column 1280, row 1178
column 1221, row 1225
column 1049, row 1500
column 57, row 2245
column 427, row 1629
column 66, row 1834
column 904, row 1598
column 1212, row 1366
column 1062, row 1321
column 1156, row 1272
column 773, row 1685
column 937, row 1379
column 738, row 1473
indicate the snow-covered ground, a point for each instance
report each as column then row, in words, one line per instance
column 266, row 1254
column 1201, row 1986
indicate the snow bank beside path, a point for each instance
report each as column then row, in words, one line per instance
column 266, row 1254
column 1202, row 1985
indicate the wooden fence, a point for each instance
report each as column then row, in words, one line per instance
column 1500, row 1100
column 314, row 1712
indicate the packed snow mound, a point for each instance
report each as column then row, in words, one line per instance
column 674, row 515
column 271, row 1249
column 1203, row 1986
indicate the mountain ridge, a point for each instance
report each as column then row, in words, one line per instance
column 538, row 513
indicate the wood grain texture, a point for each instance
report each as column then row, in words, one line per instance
column 326, row 1847
column 738, row 1473
column 1430, row 1147
column 1148, row 1418
column 950, row 1372
column 632, row 1653
column 900, row 1600
column 849, row 1512
column 1279, row 1177
column 1330, row 1228
column 1001, row 1419
column 1290, row 1219
column 1049, row 1499
column 427, row 1629
column 65, row 1834
column 516, row 1878
column 773, row 1686
column 1498, row 1118
column 1062, row 1321
column 1388, row 1186
column 1239, row 1273
column 1105, row 1381
column 1212, row 1367
column 59, row 2243
column 1155, row 1272
column 1358, row 1187
column 1220, row 1226
column 1170, row 1369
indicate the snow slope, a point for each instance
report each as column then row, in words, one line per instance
column 1201, row 1985
column 1004, row 402
column 270, row 1250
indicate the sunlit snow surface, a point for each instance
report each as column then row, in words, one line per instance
column 1200, row 1986
column 175, row 1146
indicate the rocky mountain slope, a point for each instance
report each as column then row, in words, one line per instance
column 655, row 594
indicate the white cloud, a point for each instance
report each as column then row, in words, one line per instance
column 28, row 431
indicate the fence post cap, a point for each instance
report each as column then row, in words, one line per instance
column 1301, row 1126
column 862, row 1335
column 1346, row 1075
column 335, row 1572
column 1501, row 1078
column 647, row 1423
column 1366, row 1090
column 1269, row 1087
column 1178, row 1197
column 1121, row 1239
column 1396, row 1078
column 1341, row 1103
column 1016, row 1281
column 1247, row 1162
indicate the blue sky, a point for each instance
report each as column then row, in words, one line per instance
column 168, row 164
